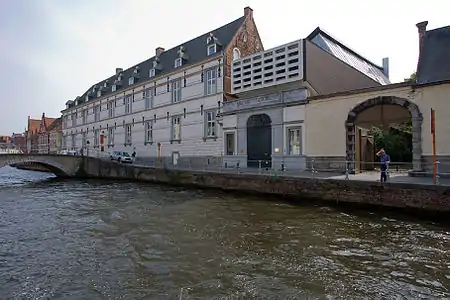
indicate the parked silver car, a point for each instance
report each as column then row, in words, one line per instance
column 121, row 156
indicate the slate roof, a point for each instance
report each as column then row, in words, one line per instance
column 56, row 125
column 328, row 43
column 434, row 58
column 195, row 50
column 48, row 122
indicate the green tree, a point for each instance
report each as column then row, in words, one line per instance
column 413, row 77
column 396, row 142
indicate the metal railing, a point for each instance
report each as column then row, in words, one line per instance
column 340, row 170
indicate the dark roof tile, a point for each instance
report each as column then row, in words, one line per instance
column 195, row 49
column 434, row 58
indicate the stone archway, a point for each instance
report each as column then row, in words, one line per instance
column 416, row 120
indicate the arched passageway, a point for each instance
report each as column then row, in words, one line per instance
column 58, row 171
column 259, row 141
column 382, row 111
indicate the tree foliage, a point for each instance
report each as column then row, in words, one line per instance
column 396, row 141
column 413, row 77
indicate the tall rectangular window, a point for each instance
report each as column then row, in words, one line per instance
column 111, row 136
column 128, row 137
column 111, row 108
column 128, row 104
column 85, row 116
column 96, row 137
column 229, row 144
column 148, row 132
column 84, row 139
column 176, row 90
column 295, row 141
column 148, row 98
column 74, row 119
column 211, row 82
column 74, row 142
column 176, row 128
column 97, row 113
column 64, row 142
column 210, row 124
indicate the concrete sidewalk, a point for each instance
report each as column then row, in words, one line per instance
column 394, row 177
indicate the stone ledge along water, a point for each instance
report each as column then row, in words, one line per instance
column 395, row 195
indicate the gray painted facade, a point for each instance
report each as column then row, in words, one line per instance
column 275, row 106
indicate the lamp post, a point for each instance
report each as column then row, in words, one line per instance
column 87, row 148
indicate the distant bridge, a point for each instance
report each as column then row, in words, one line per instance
column 60, row 165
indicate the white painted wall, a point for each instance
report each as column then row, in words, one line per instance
column 192, row 108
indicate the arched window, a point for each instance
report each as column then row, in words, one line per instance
column 236, row 54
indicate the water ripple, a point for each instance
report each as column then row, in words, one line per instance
column 104, row 240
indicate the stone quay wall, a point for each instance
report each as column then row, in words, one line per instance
column 395, row 195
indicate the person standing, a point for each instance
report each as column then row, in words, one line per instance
column 385, row 159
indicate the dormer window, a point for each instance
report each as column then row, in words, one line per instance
column 99, row 93
column 178, row 62
column 211, row 49
column 105, row 84
column 156, row 63
column 212, row 44
column 182, row 57
column 151, row 73
column 136, row 70
column 86, row 98
column 131, row 80
column 113, row 88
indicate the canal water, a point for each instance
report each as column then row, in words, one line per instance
column 77, row 240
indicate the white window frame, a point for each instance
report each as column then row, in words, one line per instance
column 176, row 128
column 111, row 108
column 97, row 113
column 74, row 119
column 96, row 137
column 225, row 138
column 85, row 116
column 294, row 147
column 83, row 139
column 211, row 49
column 210, row 124
column 236, row 54
column 74, row 141
column 148, row 98
column 211, row 81
column 111, row 136
column 99, row 93
column 148, row 132
column 128, row 134
column 113, row 88
column 178, row 62
column 176, row 91
column 128, row 104
column 152, row 72
column 131, row 80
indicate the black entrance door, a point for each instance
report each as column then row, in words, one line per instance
column 259, row 141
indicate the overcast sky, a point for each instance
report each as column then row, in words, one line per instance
column 52, row 51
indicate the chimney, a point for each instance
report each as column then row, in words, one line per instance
column 159, row 51
column 118, row 70
column 248, row 12
column 422, row 28
column 386, row 66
